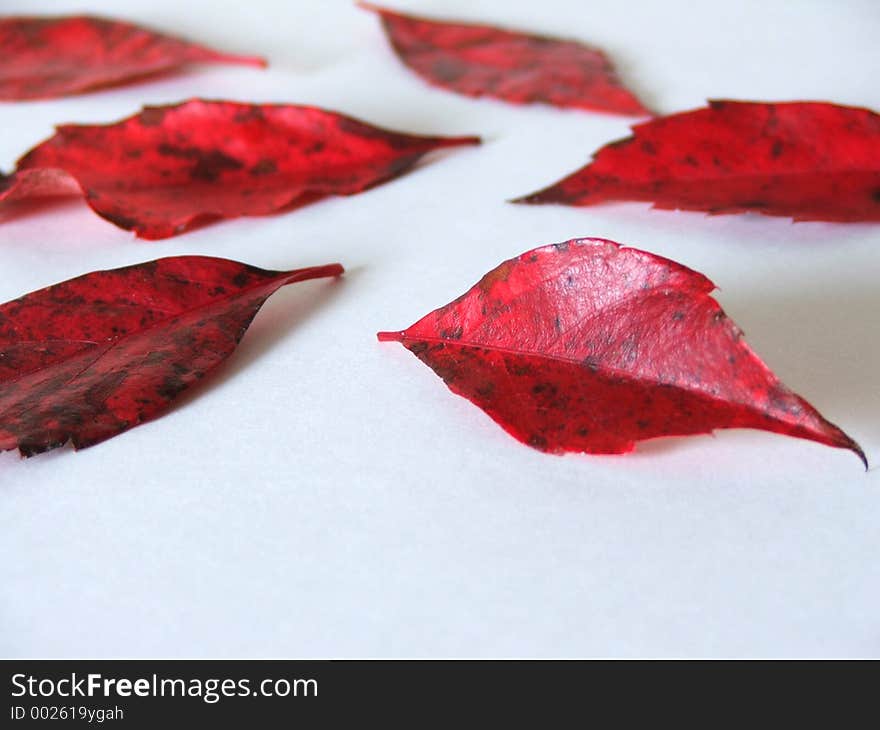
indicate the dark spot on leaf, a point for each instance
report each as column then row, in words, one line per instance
column 486, row 390
column 264, row 167
column 537, row 441
column 170, row 150
column 123, row 221
column 152, row 116
column 249, row 114
column 210, row 165
column 519, row 370
column 448, row 69
column 170, row 388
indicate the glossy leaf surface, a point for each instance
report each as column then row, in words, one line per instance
column 479, row 60
column 170, row 168
column 88, row 358
column 589, row 346
column 45, row 57
column 811, row 161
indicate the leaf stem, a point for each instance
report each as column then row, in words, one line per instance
column 390, row 336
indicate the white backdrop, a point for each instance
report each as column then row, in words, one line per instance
column 326, row 495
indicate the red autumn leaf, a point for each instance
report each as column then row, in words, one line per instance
column 169, row 168
column 91, row 357
column 478, row 60
column 589, row 346
column 812, row 161
column 44, row 57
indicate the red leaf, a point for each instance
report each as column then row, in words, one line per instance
column 478, row 60
column 807, row 160
column 45, row 57
column 589, row 346
column 94, row 356
column 169, row 168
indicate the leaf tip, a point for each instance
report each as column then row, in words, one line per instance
column 459, row 141
column 857, row 450
column 541, row 197
column 316, row 272
column 255, row 61
column 841, row 440
column 364, row 5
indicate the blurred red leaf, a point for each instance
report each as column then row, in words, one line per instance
column 91, row 357
column 589, row 346
column 170, row 168
column 808, row 160
column 478, row 60
column 44, row 57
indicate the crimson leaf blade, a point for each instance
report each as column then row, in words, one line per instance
column 91, row 357
column 812, row 161
column 170, row 168
column 479, row 60
column 45, row 57
column 589, row 346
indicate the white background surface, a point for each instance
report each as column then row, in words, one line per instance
column 327, row 496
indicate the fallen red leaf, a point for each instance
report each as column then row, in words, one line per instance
column 169, row 168
column 808, row 160
column 91, row 357
column 44, row 57
column 589, row 346
column 479, row 60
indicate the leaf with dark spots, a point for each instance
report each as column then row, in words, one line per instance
column 478, row 60
column 45, row 57
column 812, row 161
column 171, row 168
column 590, row 346
column 88, row 358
